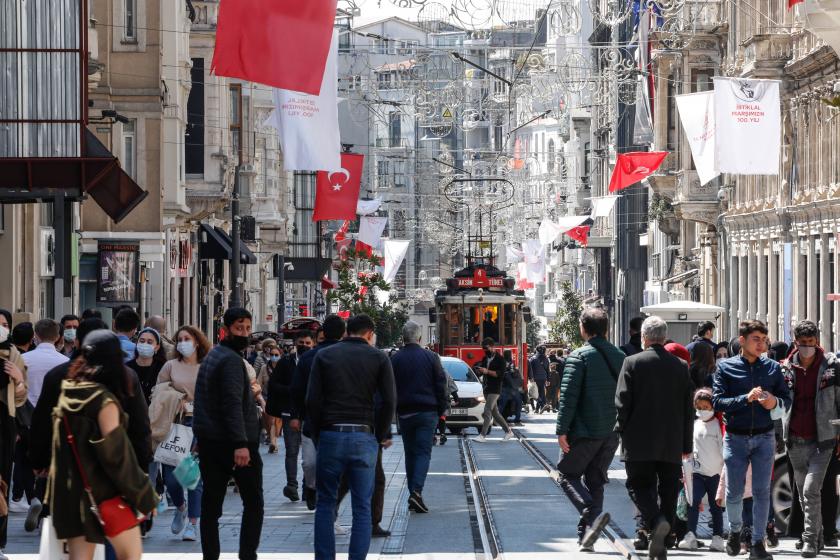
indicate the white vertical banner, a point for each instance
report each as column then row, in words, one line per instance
column 603, row 205
column 308, row 124
column 394, row 253
column 534, row 261
column 748, row 120
column 370, row 230
column 697, row 114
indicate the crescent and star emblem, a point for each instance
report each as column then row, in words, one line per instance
column 337, row 185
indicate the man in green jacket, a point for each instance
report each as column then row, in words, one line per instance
column 586, row 421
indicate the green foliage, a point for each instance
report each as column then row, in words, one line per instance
column 565, row 328
column 532, row 333
column 659, row 207
column 358, row 283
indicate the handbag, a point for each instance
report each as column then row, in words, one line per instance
column 53, row 548
column 176, row 447
column 187, row 472
column 114, row 514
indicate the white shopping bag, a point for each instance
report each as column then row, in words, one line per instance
column 176, row 446
column 54, row 549
column 688, row 480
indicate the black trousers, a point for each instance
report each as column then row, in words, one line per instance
column 583, row 475
column 217, row 468
column 654, row 487
column 24, row 477
column 377, row 501
column 541, row 391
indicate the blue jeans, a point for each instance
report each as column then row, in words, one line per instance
column 176, row 492
column 353, row 454
column 516, row 397
column 418, row 432
column 705, row 486
column 739, row 452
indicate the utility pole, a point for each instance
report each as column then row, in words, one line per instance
column 281, row 290
column 235, row 259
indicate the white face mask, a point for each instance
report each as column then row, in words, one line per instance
column 70, row 335
column 186, row 348
column 705, row 415
column 4, row 334
column 807, row 351
column 145, row 350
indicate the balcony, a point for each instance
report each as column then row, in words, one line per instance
column 664, row 180
column 765, row 55
column 696, row 202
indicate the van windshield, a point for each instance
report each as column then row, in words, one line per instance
column 459, row 371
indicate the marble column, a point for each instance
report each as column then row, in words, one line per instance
column 750, row 285
column 761, row 306
column 813, row 271
column 742, row 284
column 732, row 295
column 773, row 293
column 798, row 303
column 825, row 305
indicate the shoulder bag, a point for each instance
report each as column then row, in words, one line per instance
column 114, row 514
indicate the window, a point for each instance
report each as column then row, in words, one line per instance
column 194, row 133
column 702, row 81
column 236, row 119
column 500, row 87
column 130, row 23
column 129, row 149
column 343, row 28
column 394, row 128
column 672, row 117
column 305, row 235
column 399, row 174
column 550, row 163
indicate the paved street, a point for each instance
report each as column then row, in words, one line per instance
column 534, row 520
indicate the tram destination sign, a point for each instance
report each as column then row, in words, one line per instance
column 480, row 279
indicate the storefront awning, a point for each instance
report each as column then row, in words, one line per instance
column 682, row 277
column 215, row 244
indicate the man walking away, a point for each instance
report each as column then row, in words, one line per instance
column 656, row 425
column 747, row 387
column 585, row 423
column 538, row 371
column 227, row 425
column 812, row 376
column 333, row 330
column 421, row 400
column 340, row 400
column 126, row 324
column 492, row 367
column 705, row 335
column 634, row 345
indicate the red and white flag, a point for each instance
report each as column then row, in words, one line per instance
column 632, row 167
column 370, row 230
column 279, row 43
column 579, row 234
column 336, row 193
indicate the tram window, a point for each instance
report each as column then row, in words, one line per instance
column 490, row 322
column 472, row 324
column 452, row 325
column 509, row 325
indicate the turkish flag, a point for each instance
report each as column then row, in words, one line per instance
column 792, row 3
column 280, row 43
column 579, row 234
column 632, row 167
column 337, row 192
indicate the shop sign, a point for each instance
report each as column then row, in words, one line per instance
column 118, row 273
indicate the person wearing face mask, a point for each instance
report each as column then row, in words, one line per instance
column 280, row 405
column 227, row 425
column 272, row 424
column 708, row 464
column 811, row 439
column 492, row 368
column 148, row 360
column 191, row 347
column 69, row 324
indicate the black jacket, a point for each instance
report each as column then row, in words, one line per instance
column 344, row 380
column 300, row 382
column 225, row 410
column 421, row 383
column 655, row 407
column 538, row 367
column 633, row 346
column 40, row 433
column 280, row 387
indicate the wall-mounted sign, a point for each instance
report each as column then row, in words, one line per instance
column 118, row 273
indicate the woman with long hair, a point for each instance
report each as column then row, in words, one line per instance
column 702, row 366
column 90, row 443
column 273, row 424
column 182, row 372
column 148, row 360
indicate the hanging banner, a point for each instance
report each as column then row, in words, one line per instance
column 308, row 124
column 697, row 114
column 548, row 232
column 602, row 206
column 370, row 230
column 365, row 207
column 534, row 261
column 394, row 250
column 337, row 192
column 513, row 254
column 748, row 126
column 118, row 273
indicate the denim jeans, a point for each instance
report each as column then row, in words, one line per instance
column 308, row 460
column 291, row 439
column 516, row 397
column 705, row 486
column 740, row 452
column 176, row 492
column 354, row 455
column 418, row 431
column 809, row 466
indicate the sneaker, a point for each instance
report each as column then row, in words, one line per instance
column 443, row 439
column 758, row 552
column 508, row 436
column 772, row 537
column 379, row 532
column 831, row 540
column 339, row 530
column 310, row 496
column 798, row 544
column 161, row 507
column 733, row 543
column 661, row 529
column 33, row 516
column 479, row 439
column 641, row 541
column 718, row 544
column 592, row 533
column 3, row 556
column 179, row 520
column 190, row 533
column 18, row 506
column 291, row 493
column 583, row 547
column 416, row 503
column 689, row 542
column 809, row 551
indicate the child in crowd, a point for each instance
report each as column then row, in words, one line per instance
column 706, row 477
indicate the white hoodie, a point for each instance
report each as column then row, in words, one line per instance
column 708, row 447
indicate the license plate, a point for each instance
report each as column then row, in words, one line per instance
column 459, row 411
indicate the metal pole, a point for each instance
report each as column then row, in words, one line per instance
column 281, row 291
column 235, row 295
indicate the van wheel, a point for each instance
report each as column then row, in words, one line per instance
column 782, row 496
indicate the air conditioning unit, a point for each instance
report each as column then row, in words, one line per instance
column 47, row 252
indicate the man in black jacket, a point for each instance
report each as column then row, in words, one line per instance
column 421, row 400
column 492, row 368
column 538, row 371
column 634, row 344
column 656, row 425
column 340, row 400
column 280, row 406
column 227, row 426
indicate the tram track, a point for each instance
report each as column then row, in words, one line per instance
column 486, row 539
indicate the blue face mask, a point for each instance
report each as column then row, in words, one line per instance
column 274, row 359
column 145, row 350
